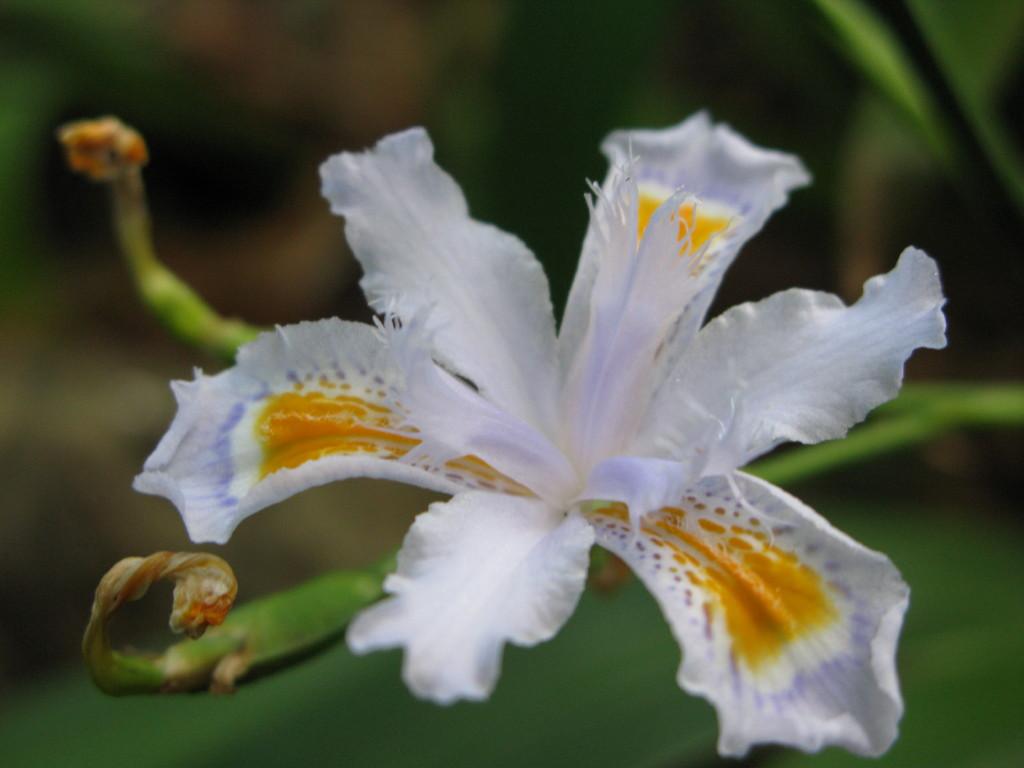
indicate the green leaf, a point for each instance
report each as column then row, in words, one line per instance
column 977, row 44
column 872, row 48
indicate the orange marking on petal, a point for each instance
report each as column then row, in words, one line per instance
column 481, row 470
column 700, row 228
column 769, row 598
column 675, row 512
column 710, row 527
column 295, row 428
column 617, row 510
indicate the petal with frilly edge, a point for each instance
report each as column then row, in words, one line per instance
column 304, row 405
column 738, row 184
column 638, row 293
column 407, row 223
column 800, row 365
column 787, row 626
column 474, row 573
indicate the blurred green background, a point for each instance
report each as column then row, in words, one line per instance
column 910, row 116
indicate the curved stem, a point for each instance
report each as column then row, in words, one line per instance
column 108, row 151
column 204, row 590
column 269, row 633
column 179, row 308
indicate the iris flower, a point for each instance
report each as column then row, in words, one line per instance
column 626, row 429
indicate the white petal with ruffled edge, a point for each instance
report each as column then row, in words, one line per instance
column 408, row 224
column 473, row 574
column 799, row 365
column 637, row 295
column 739, row 185
column 787, row 626
column 305, row 405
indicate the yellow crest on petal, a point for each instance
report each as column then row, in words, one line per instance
column 695, row 224
column 298, row 426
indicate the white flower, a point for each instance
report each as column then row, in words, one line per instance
column 789, row 627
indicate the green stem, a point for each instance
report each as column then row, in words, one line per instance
column 172, row 301
column 274, row 631
column 873, row 47
column 919, row 414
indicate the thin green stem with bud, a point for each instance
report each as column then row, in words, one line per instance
column 179, row 308
column 108, row 151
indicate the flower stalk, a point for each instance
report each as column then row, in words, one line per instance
column 109, row 152
column 921, row 413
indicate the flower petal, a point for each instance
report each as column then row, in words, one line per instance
column 787, row 626
column 636, row 296
column 305, row 405
column 454, row 420
column 641, row 484
column 799, row 365
column 739, row 186
column 407, row 223
column 474, row 573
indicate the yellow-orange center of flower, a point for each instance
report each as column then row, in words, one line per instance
column 698, row 226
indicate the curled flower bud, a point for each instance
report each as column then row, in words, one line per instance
column 204, row 590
